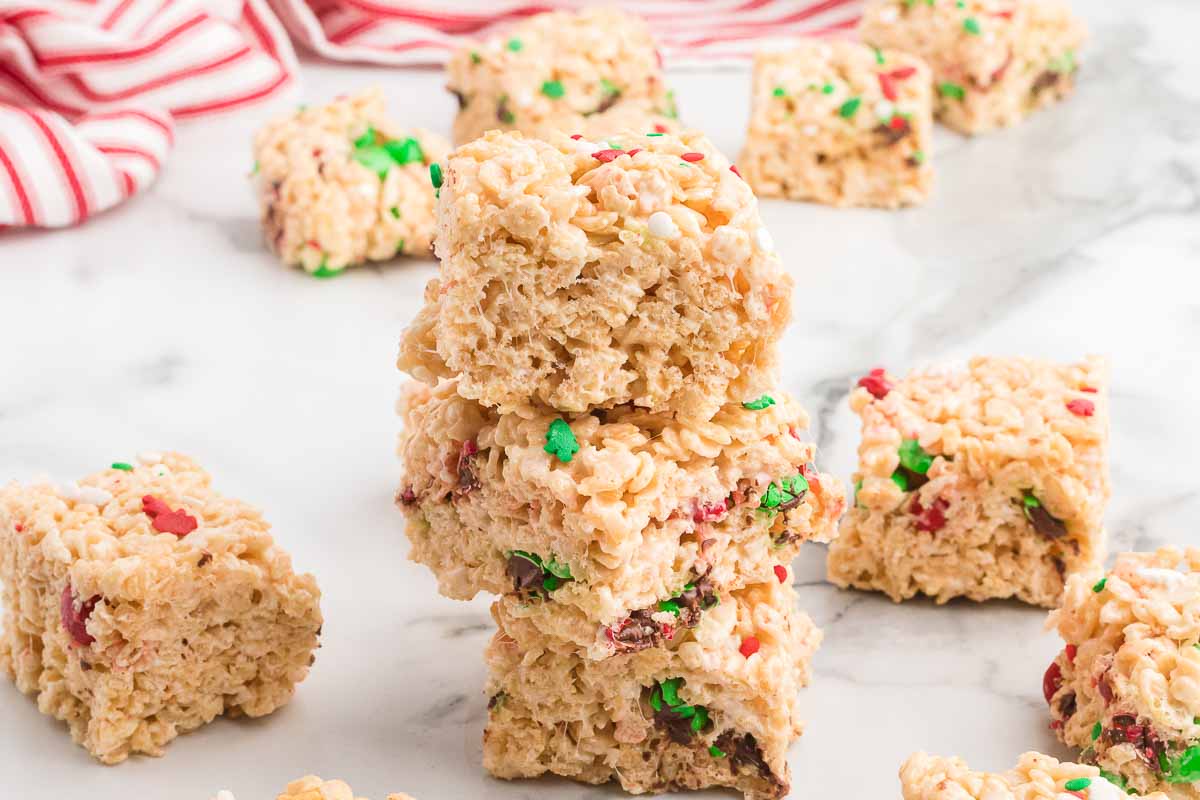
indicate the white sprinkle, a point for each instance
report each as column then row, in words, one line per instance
column 70, row 491
column 586, row 147
column 1101, row 789
column 523, row 99
column 762, row 238
column 94, row 495
column 662, row 226
column 149, row 457
column 889, row 14
column 1167, row 577
column 810, row 130
column 884, row 110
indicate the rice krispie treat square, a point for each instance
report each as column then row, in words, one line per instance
column 579, row 274
column 311, row 787
column 717, row 708
column 1036, row 777
column 994, row 61
column 1125, row 690
column 614, row 530
column 840, row 123
column 593, row 72
column 342, row 184
column 140, row 604
column 987, row 482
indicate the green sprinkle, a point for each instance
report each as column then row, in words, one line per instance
column 958, row 4
column 857, row 489
column 553, row 89
column 1064, row 64
column 405, row 151
column 949, row 89
column 918, row 157
column 848, row 108
column 672, row 110
column 779, row 91
column 395, row 210
column 1029, row 501
column 771, row 498
column 121, row 465
column 435, row 174
column 550, row 583
column 1099, row 586
column 827, row 88
column 325, row 272
column 901, row 480
column 1184, row 768
column 760, row 403
column 971, row 26
column 375, row 158
column 794, row 486
column 1077, row 784
column 399, row 245
column 670, row 691
column 654, row 134
column 656, row 699
column 367, row 139
column 715, row 751
column 502, row 112
column 913, row 457
column 701, row 719
column 561, row 441
column 558, row 568
column 475, row 59
column 609, row 87
column 686, row 712
column 669, row 605
column 514, row 45
column 1113, row 778
column 878, row 55
column 1096, row 729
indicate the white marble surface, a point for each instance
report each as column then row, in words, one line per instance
column 166, row 325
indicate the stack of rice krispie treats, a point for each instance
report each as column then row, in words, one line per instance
column 597, row 441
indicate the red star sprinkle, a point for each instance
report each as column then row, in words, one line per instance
column 74, row 620
column 888, row 85
column 1081, row 407
column 165, row 520
column 931, row 519
column 634, row 151
column 1071, row 651
column 897, row 123
column 692, row 157
column 605, row 156
column 781, row 572
column 1089, row 389
column 733, row 168
column 660, row 128
column 749, row 646
column 902, row 73
column 876, row 383
column 577, row 136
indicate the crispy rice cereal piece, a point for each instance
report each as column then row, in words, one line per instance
column 561, row 72
column 342, row 184
column 842, row 124
column 717, row 708
column 140, row 604
column 311, row 787
column 1126, row 688
column 1036, row 777
column 994, row 61
column 576, row 275
column 644, row 527
column 984, row 483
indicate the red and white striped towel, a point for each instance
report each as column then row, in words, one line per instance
column 90, row 89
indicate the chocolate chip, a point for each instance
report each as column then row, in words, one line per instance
column 502, row 112
column 678, row 729
column 526, row 575
column 608, row 102
column 204, row 560
column 700, row 597
column 85, row 666
column 636, row 632
column 892, row 135
column 1044, row 81
column 468, row 480
column 460, row 97
column 1067, row 705
column 744, row 750
column 915, row 479
column 496, row 700
column 1045, row 524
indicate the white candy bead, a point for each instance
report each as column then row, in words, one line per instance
column 884, row 110
column 662, row 226
column 94, row 495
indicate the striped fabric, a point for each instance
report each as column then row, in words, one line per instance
column 90, row 89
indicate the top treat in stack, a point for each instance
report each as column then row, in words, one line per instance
column 594, row 73
column 580, row 274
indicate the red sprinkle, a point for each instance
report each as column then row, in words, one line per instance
column 931, row 519
column 634, row 151
column 749, row 646
column 1071, row 651
column 692, row 156
column 733, row 168
column 1081, row 407
column 18, row 527
column 1051, row 681
column 781, row 572
column 902, row 73
column 577, row 136
column 470, row 448
column 898, row 123
column 605, row 156
column 876, row 383
column 707, row 512
column 888, row 84
column 74, row 619
column 165, row 520
column 313, row 244
column 668, row 631
column 660, row 128
column 1089, row 389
